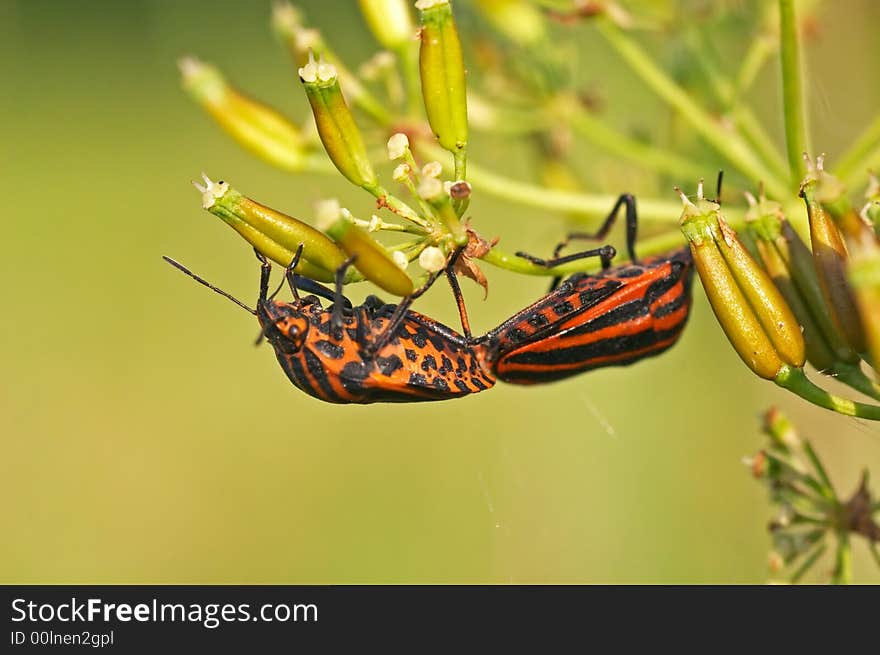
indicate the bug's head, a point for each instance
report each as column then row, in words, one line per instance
column 284, row 325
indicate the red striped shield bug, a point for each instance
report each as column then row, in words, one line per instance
column 615, row 317
column 374, row 352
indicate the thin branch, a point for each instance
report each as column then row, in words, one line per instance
column 728, row 144
column 796, row 143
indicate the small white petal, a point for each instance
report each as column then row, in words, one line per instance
column 397, row 146
column 432, row 259
column 430, row 188
column 432, row 169
column 400, row 259
column 327, row 212
column 401, row 172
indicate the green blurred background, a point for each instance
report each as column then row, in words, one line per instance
column 146, row 440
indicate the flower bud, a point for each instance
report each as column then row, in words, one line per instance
column 432, row 259
column 390, row 21
column 303, row 42
column 829, row 258
column 339, row 133
column 781, row 430
column 431, row 190
column 432, row 169
column 443, row 76
column 255, row 126
column 398, row 144
column 401, row 173
column 754, row 315
column 371, row 259
column 789, row 263
column 275, row 235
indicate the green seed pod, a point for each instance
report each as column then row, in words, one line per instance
column 830, row 192
column 799, row 261
column 274, row 234
column 443, row 76
column 818, row 353
column 864, row 275
column 829, row 257
column 733, row 312
column 301, row 41
column 390, row 21
column 339, row 133
column 768, row 303
column 753, row 314
column 371, row 259
column 789, row 263
column 255, row 126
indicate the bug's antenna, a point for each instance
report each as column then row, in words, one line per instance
column 184, row 269
column 718, row 187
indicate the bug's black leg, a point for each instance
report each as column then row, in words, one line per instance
column 288, row 272
column 400, row 311
column 459, row 298
column 310, row 286
column 604, row 253
column 265, row 272
column 301, row 283
column 363, row 321
column 339, row 300
column 632, row 224
column 399, row 314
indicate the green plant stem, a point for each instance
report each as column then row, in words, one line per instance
column 530, row 195
column 823, row 495
column 759, row 139
column 602, row 135
column 753, row 61
column 460, row 164
column 730, row 145
column 502, row 259
column 853, row 376
column 792, row 92
column 816, row 463
column 742, row 117
column 808, row 563
column 795, row 380
column 858, row 156
column 399, row 207
column 843, row 566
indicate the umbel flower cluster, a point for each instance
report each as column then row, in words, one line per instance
column 787, row 304
column 792, row 273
